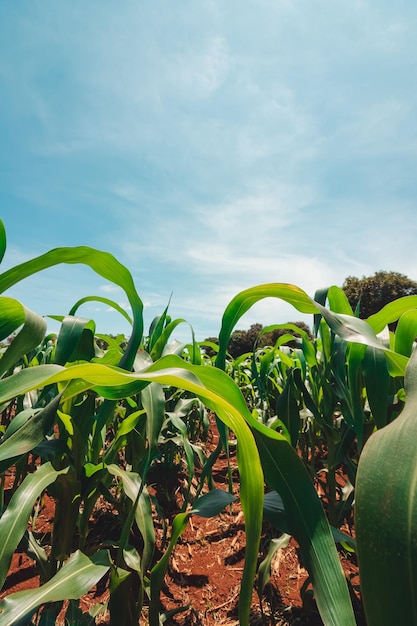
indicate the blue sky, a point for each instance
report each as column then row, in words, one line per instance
column 210, row 146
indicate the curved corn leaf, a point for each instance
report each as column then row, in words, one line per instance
column 354, row 330
column 104, row 264
column 75, row 340
column 103, row 300
column 349, row 328
column 212, row 386
column 386, row 516
column 14, row 520
column 377, row 383
column 135, row 490
column 244, row 300
column 3, row 240
column 338, row 301
column 12, row 315
column 406, row 332
column 289, row 325
column 391, row 312
column 160, row 344
column 79, row 574
column 18, row 441
column 285, row 472
column 264, row 571
column 212, row 503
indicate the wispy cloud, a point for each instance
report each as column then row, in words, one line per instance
column 210, row 146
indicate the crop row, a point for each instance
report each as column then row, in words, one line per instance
column 95, row 413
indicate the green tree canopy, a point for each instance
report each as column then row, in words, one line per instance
column 369, row 294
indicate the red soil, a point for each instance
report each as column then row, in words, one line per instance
column 205, row 569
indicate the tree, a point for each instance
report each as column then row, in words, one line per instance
column 243, row 341
column 371, row 293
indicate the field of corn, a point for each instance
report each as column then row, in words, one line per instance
column 86, row 419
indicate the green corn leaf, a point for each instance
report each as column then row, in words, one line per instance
column 214, row 388
column 406, row 332
column 157, row 326
column 391, row 312
column 103, row 264
column 79, row 574
column 354, row 395
column 162, row 340
column 264, row 571
column 35, row 551
column 103, row 300
column 212, row 503
column 377, row 383
column 153, row 400
column 338, row 301
column 350, row 328
column 285, row 473
column 125, row 602
column 386, row 516
column 12, row 315
column 14, row 520
column 320, row 297
column 3, row 240
column 30, row 433
column 355, row 330
column 274, row 512
column 288, row 409
column 136, row 491
column 128, row 424
column 75, row 340
column 246, row 299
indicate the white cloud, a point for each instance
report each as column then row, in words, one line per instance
column 199, row 71
column 254, row 220
column 109, row 288
column 124, row 305
column 213, row 146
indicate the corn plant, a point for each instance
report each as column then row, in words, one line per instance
column 350, row 368
column 95, row 413
column 83, row 395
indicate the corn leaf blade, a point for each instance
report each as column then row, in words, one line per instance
column 3, row 240
column 79, row 574
column 28, row 435
column 13, row 522
column 12, row 315
column 285, row 472
column 212, row 386
column 386, row 516
column 104, row 264
column 244, row 300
